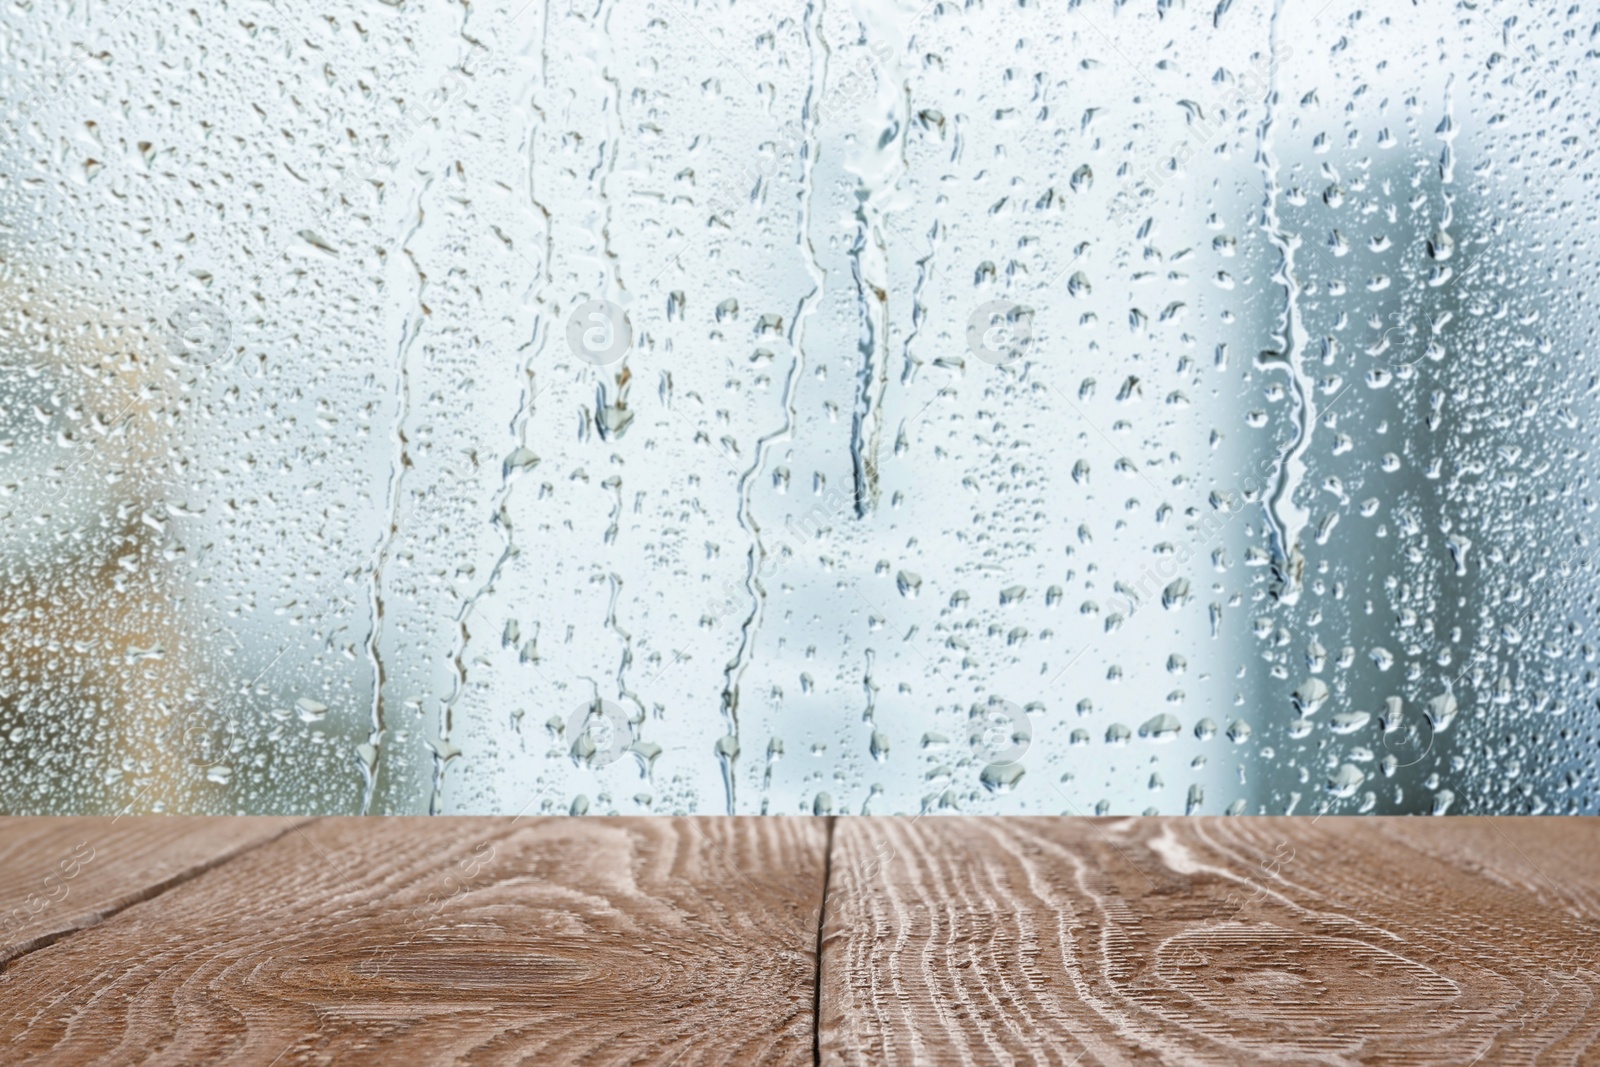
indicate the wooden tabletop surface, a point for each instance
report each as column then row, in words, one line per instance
column 678, row 941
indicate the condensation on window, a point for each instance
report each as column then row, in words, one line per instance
column 1111, row 406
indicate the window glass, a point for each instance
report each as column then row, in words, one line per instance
column 658, row 406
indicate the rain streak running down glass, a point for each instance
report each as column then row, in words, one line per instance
column 872, row 406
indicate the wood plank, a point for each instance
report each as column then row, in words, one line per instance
column 484, row 941
column 1212, row 941
column 59, row 875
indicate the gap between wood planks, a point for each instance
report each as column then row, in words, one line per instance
column 822, row 921
column 138, row 896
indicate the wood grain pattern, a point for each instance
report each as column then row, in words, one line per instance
column 62, row 875
column 688, row 941
column 430, row 941
column 1212, row 941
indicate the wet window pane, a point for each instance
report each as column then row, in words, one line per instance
column 674, row 407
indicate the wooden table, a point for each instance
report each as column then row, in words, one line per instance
column 784, row 940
